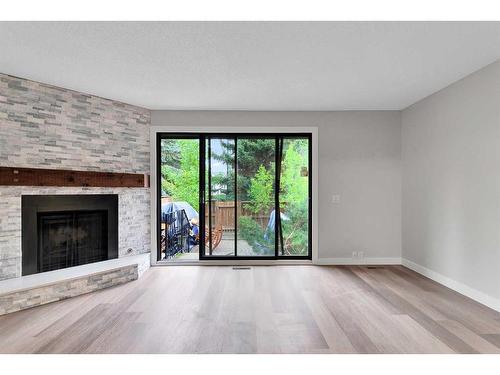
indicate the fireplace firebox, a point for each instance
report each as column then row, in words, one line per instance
column 60, row 231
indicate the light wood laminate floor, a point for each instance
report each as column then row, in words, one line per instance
column 273, row 309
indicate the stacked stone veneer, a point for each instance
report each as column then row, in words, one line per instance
column 133, row 222
column 24, row 299
column 43, row 126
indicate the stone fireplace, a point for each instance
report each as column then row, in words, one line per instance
column 42, row 126
column 77, row 248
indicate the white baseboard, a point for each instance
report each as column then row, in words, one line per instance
column 357, row 262
column 457, row 286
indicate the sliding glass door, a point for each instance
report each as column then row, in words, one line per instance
column 220, row 192
column 294, row 226
column 252, row 198
column 239, row 196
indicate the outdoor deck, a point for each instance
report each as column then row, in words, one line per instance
column 225, row 247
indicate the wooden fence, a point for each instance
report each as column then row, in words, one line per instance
column 223, row 213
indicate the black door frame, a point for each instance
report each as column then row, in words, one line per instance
column 202, row 137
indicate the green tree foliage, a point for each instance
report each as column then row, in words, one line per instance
column 170, row 164
column 261, row 191
column 294, row 197
column 170, row 153
column 222, row 188
column 180, row 170
column 252, row 153
column 254, row 234
column 294, row 186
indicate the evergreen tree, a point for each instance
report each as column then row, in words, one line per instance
column 252, row 153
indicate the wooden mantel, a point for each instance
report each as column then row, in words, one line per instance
column 10, row 176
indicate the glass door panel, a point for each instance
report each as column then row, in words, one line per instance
column 179, row 158
column 294, row 196
column 219, row 200
column 256, row 160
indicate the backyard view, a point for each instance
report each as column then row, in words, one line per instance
column 241, row 176
column 294, row 196
column 179, row 198
column 180, row 170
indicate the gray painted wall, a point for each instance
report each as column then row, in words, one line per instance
column 451, row 183
column 42, row 126
column 359, row 158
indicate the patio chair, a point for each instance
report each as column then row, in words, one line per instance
column 216, row 235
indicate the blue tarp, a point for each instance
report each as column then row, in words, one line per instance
column 167, row 208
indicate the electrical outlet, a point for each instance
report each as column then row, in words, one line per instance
column 335, row 198
column 361, row 254
column 354, row 254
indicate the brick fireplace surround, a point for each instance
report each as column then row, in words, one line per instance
column 43, row 126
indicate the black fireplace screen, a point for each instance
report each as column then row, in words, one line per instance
column 71, row 238
column 61, row 231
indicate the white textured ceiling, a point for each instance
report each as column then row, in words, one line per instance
column 250, row 65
